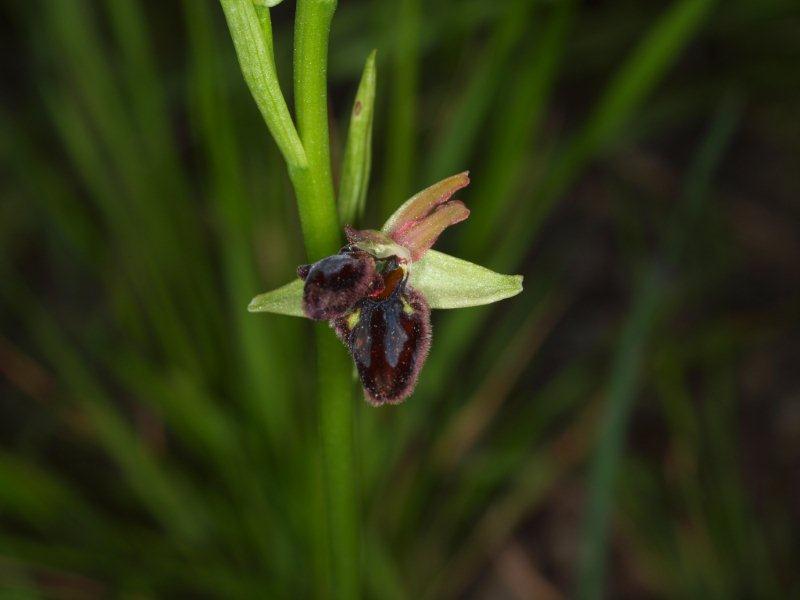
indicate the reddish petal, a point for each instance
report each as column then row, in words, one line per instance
column 356, row 236
column 418, row 236
column 423, row 203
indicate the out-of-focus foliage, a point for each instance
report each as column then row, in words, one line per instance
column 630, row 423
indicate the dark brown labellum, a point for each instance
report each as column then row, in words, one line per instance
column 388, row 339
column 335, row 283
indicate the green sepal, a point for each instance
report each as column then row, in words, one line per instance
column 450, row 282
column 286, row 300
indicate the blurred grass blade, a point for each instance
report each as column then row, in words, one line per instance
column 517, row 124
column 628, row 361
column 457, row 138
column 500, row 519
column 624, row 379
column 404, row 23
column 163, row 490
column 258, row 68
column 358, row 150
column 641, row 72
column 458, row 329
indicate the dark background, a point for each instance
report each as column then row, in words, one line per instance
column 637, row 407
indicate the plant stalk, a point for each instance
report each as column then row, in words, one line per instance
column 315, row 198
column 307, row 154
column 314, row 185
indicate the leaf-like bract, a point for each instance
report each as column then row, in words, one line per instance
column 358, row 150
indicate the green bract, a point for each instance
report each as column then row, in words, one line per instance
column 358, row 151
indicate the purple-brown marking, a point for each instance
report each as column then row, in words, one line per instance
column 335, row 283
column 389, row 343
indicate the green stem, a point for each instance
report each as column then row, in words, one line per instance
column 315, row 190
column 336, row 428
column 315, row 198
column 307, row 155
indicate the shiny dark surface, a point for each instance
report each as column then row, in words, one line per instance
column 335, row 283
column 389, row 343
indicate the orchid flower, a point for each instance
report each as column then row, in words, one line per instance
column 378, row 291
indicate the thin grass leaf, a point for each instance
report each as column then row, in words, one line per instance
column 498, row 521
column 624, row 380
column 457, row 330
column 161, row 489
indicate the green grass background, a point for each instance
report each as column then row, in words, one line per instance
column 627, row 427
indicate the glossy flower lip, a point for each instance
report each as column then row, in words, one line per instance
column 377, row 292
column 388, row 339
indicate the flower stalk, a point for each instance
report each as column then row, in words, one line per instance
column 307, row 154
column 314, row 185
column 318, row 216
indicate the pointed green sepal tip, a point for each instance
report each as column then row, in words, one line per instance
column 286, row 300
column 450, row 282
